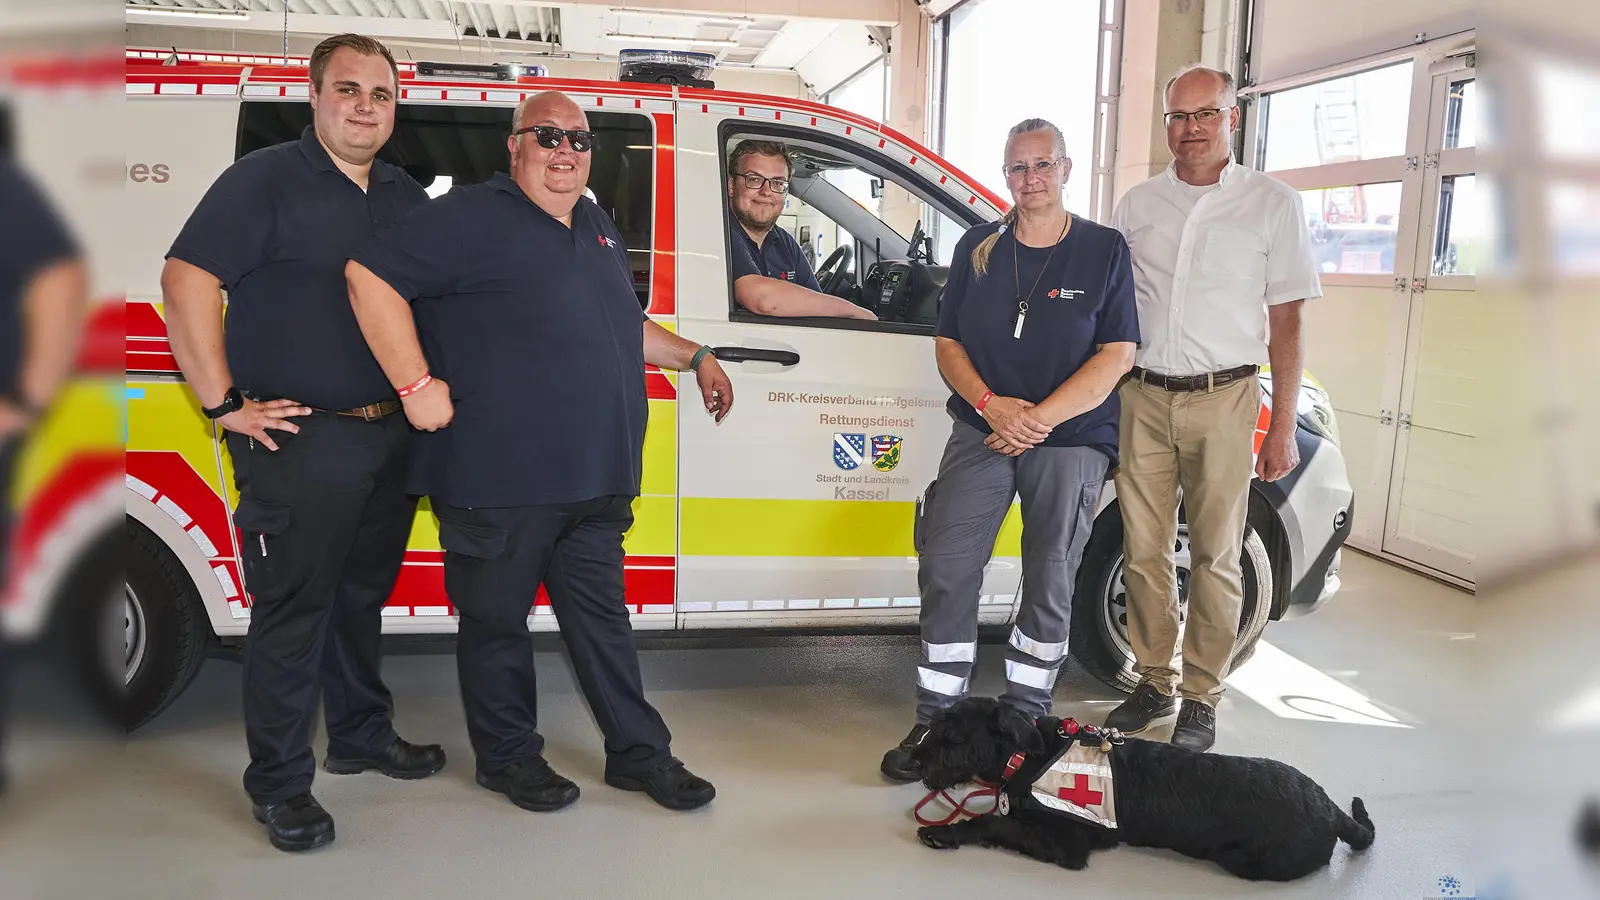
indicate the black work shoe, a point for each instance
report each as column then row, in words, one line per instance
column 298, row 823
column 897, row 764
column 532, row 785
column 1197, row 727
column 669, row 783
column 1137, row 712
column 399, row 760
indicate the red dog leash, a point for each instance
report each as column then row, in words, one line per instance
column 958, row 808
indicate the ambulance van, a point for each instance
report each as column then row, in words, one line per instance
column 798, row 511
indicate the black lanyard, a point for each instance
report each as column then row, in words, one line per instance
column 1016, row 272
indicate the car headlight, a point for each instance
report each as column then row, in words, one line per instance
column 1317, row 416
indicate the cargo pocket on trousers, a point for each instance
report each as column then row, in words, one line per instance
column 919, row 524
column 1088, row 503
column 476, row 541
column 262, row 525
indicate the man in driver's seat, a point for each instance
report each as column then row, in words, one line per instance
column 770, row 274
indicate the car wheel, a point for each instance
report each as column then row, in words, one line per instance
column 1100, row 603
column 164, row 627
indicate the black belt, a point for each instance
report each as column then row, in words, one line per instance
column 1205, row 382
column 372, row 412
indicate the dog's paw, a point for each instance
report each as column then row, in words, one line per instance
column 938, row 837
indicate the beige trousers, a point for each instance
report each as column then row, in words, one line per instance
column 1200, row 443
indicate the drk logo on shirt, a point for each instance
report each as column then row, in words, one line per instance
column 607, row 243
column 1065, row 294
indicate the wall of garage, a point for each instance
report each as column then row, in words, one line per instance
column 1370, row 109
column 778, row 82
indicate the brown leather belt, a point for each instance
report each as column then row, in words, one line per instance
column 371, row 412
column 1208, row 381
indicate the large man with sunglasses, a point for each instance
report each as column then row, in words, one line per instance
column 528, row 381
column 771, row 276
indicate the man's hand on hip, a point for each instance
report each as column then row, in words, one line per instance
column 1278, row 455
column 430, row 409
column 253, row 419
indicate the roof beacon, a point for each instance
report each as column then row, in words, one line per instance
column 667, row 67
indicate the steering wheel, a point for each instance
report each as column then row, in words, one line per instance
column 832, row 273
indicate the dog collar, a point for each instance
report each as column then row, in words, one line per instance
column 1013, row 764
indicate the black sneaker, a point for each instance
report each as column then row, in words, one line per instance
column 298, row 823
column 897, row 763
column 532, row 785
column 669, row 783
column 1137, row 712
column 400, row 760
column 1197, row 727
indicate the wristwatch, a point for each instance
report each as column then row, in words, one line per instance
column 231, row 401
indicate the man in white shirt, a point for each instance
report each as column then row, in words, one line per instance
column 1221, row 258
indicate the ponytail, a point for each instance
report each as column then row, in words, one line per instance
column 980, row 255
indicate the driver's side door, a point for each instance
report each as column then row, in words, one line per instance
column 799, row 507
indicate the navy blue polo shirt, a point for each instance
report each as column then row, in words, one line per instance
column 1083, row 299
column 32, row 238
column 779, row 256
column 537, row 330
column 276, row 229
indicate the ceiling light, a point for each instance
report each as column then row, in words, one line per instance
column 657, row 39
column 195, row 12
column 704, row 17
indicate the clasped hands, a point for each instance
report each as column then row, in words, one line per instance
column 1018, row 428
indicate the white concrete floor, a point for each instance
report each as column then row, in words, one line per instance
column 1368, row 696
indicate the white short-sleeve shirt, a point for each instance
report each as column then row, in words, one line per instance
column 1208, row 261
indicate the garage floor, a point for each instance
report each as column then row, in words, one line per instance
column 1365, row 696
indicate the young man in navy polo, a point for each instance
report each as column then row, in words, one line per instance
column 319, row 456
column 770, row 274
column 505, row 316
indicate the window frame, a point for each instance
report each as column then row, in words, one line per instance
column 1419, row 169
column 1102, row 166
column 649, row 127
column 882, row 166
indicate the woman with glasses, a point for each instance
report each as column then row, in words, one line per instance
column 1036, row 328
column 771, row 276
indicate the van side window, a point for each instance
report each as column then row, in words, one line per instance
column 442, row 146
column 873, row 235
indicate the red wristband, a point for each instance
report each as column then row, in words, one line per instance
column 982, row 401
column 415, row 386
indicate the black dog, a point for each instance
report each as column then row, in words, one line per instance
column 1257, row 818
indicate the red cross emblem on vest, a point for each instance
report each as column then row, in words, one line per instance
column 1079, row 794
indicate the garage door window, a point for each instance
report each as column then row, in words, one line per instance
column 1353, row 227
column 1357, row 117
column 442, row 146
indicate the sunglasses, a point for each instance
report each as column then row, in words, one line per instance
column 549, row 137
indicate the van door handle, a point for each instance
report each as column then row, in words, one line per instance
column 752, row 354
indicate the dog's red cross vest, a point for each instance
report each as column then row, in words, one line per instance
column 1077, row 781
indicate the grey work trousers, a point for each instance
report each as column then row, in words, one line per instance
column 961, row 516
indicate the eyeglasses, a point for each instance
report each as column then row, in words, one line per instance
column 549, row 137
column 1021, row 170
column 755, row 182
column 1203, row 116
